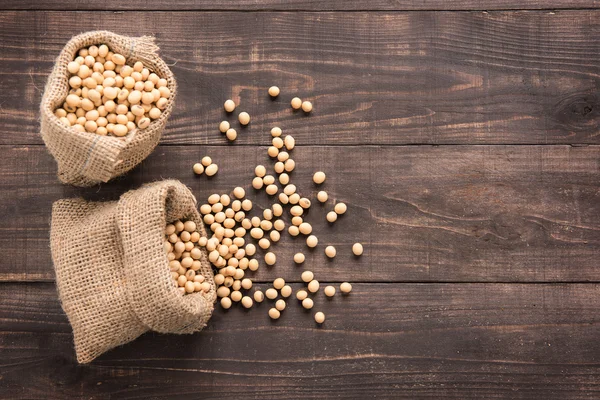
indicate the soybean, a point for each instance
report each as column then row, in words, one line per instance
column 289, row 165
column 301, row 295
column 229, row 106
column 286, row 291
column 264, row 244
column 345, row 287
column 279, row 225
column 226, row 302
column 280, row 304
column 259, row 296
column 235, row 296
column 260, row 171
column 211, row 170
column 244, row 118
column 289, row 142
column 278, row 283
column 296, row 211
column 246, row 283
column 275, row 236
column 206, row 161
column 284, row 179
column 319, row 177
column 247, row 302
column 312, row 241
column 293, row 230
column 331, row 216
column 274, row 313
column 299, row 258
column 307, row 276
column 330, row 251
column 271, row 294
column 269, row 180
column 319, row 317
column 296, row 103
column 307, row 303
column 224, row 126
column 305, row 228
column 322, row 196
column 340, row 208
column 307, row 106
column 239, row 192
column 270, row 258
column 277, row 210
column 231, row 134
column 357, row 249
column 276, row 131
column 329, row 291
column 271, row 190
column 257, row 183
column 304, row 203
column 198, row 168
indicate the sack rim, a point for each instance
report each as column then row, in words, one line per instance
column 54, row 76
column 187, row 303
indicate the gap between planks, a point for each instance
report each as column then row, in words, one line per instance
column 374, row 282
column 374, row 145
column 299, row 10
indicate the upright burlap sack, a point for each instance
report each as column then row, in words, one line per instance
column 112, row 272
column 86, row 159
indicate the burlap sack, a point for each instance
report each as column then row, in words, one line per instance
column 112, row 272
column 86, row 159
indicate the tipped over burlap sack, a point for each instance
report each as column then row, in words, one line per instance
column 84, row 158
column 112, row 271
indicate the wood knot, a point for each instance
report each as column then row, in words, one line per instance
column 578, row 112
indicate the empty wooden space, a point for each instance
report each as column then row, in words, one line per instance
column 464, row 137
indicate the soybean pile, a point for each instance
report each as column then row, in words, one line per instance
column 108, row 97
column 236, row 234
column 183, row 252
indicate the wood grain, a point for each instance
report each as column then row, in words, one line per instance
column 467, row 341
column 375, row 78
column 297, row 5
column 424, row 213
column 474, row 283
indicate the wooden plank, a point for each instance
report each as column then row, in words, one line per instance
column 291, row 5
column 374, row 78
column 424, row 213
column 443, row 341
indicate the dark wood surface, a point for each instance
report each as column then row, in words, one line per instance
column 300, row 5
column 466, row 341
column 375, row 78
column 466, row 145
column 439, row 214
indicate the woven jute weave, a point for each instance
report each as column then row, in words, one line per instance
column 84, row 158
column 112, row 272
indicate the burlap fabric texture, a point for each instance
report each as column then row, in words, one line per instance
column 86, row 159
column 112, row 272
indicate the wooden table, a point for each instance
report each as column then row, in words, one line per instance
column 464, row 137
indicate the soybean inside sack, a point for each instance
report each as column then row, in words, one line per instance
column 112, row 272
column 84, row 158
